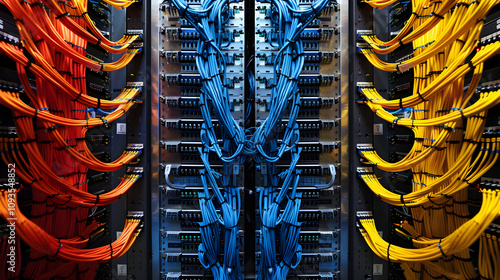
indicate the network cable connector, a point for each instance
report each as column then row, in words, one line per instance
column 361, row 33
column 364, row 147
column 363, row 215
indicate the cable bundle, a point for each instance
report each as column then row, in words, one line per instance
column 50, row 152
column 450, row 151
column 435, row 248
column 489, row 253
column 209, row 19
column 290, row 19
column 379, row 4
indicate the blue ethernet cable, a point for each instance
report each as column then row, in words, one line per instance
column 290, row 20
column 209, row 19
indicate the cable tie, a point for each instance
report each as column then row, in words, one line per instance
column 78, row 96
column 461, row 112
column 62, row 15
column 111, row 249
column 26, row 68
column 51, row 128
column 441, row 249
column 429, row 198
column 36, row 180
column 401, row 42
column 421, row 97
column 273, row 228
column 461, row 41
column 434, row 73
column 458, row 215
column 27, row 141
column 98, row 103
column 401, row 103
column 231, row 227
column 58, row 248
column 402, row 200
column 286, row 76
column 418, row 221
column 207, row 225
column 424, row 45
column 293, row 225
column 212, row 265
column 462, row 4
column 445, row 127
column 84, row 13
column 287, row 265
column 39, row 201
column 442, row 111
column 98, row 42
column 39, row 4
column 462, row 259
column 316, row 14
column 388, row 256
column 436, row 15
column 471, row 66
column 96, row 200
column 74, row 45
column 66, row 147
column 36, row 113
column 65, row 73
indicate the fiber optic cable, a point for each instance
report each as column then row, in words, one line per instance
column 445, row 49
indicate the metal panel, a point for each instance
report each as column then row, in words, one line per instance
column 345, row 78
column 118, row 141
column 139, row 130
column 153, row 83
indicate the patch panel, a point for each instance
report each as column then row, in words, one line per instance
column 313, row 241
column 399, row 14
column 100, row 14
column 185, row 241
column 186, row 262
